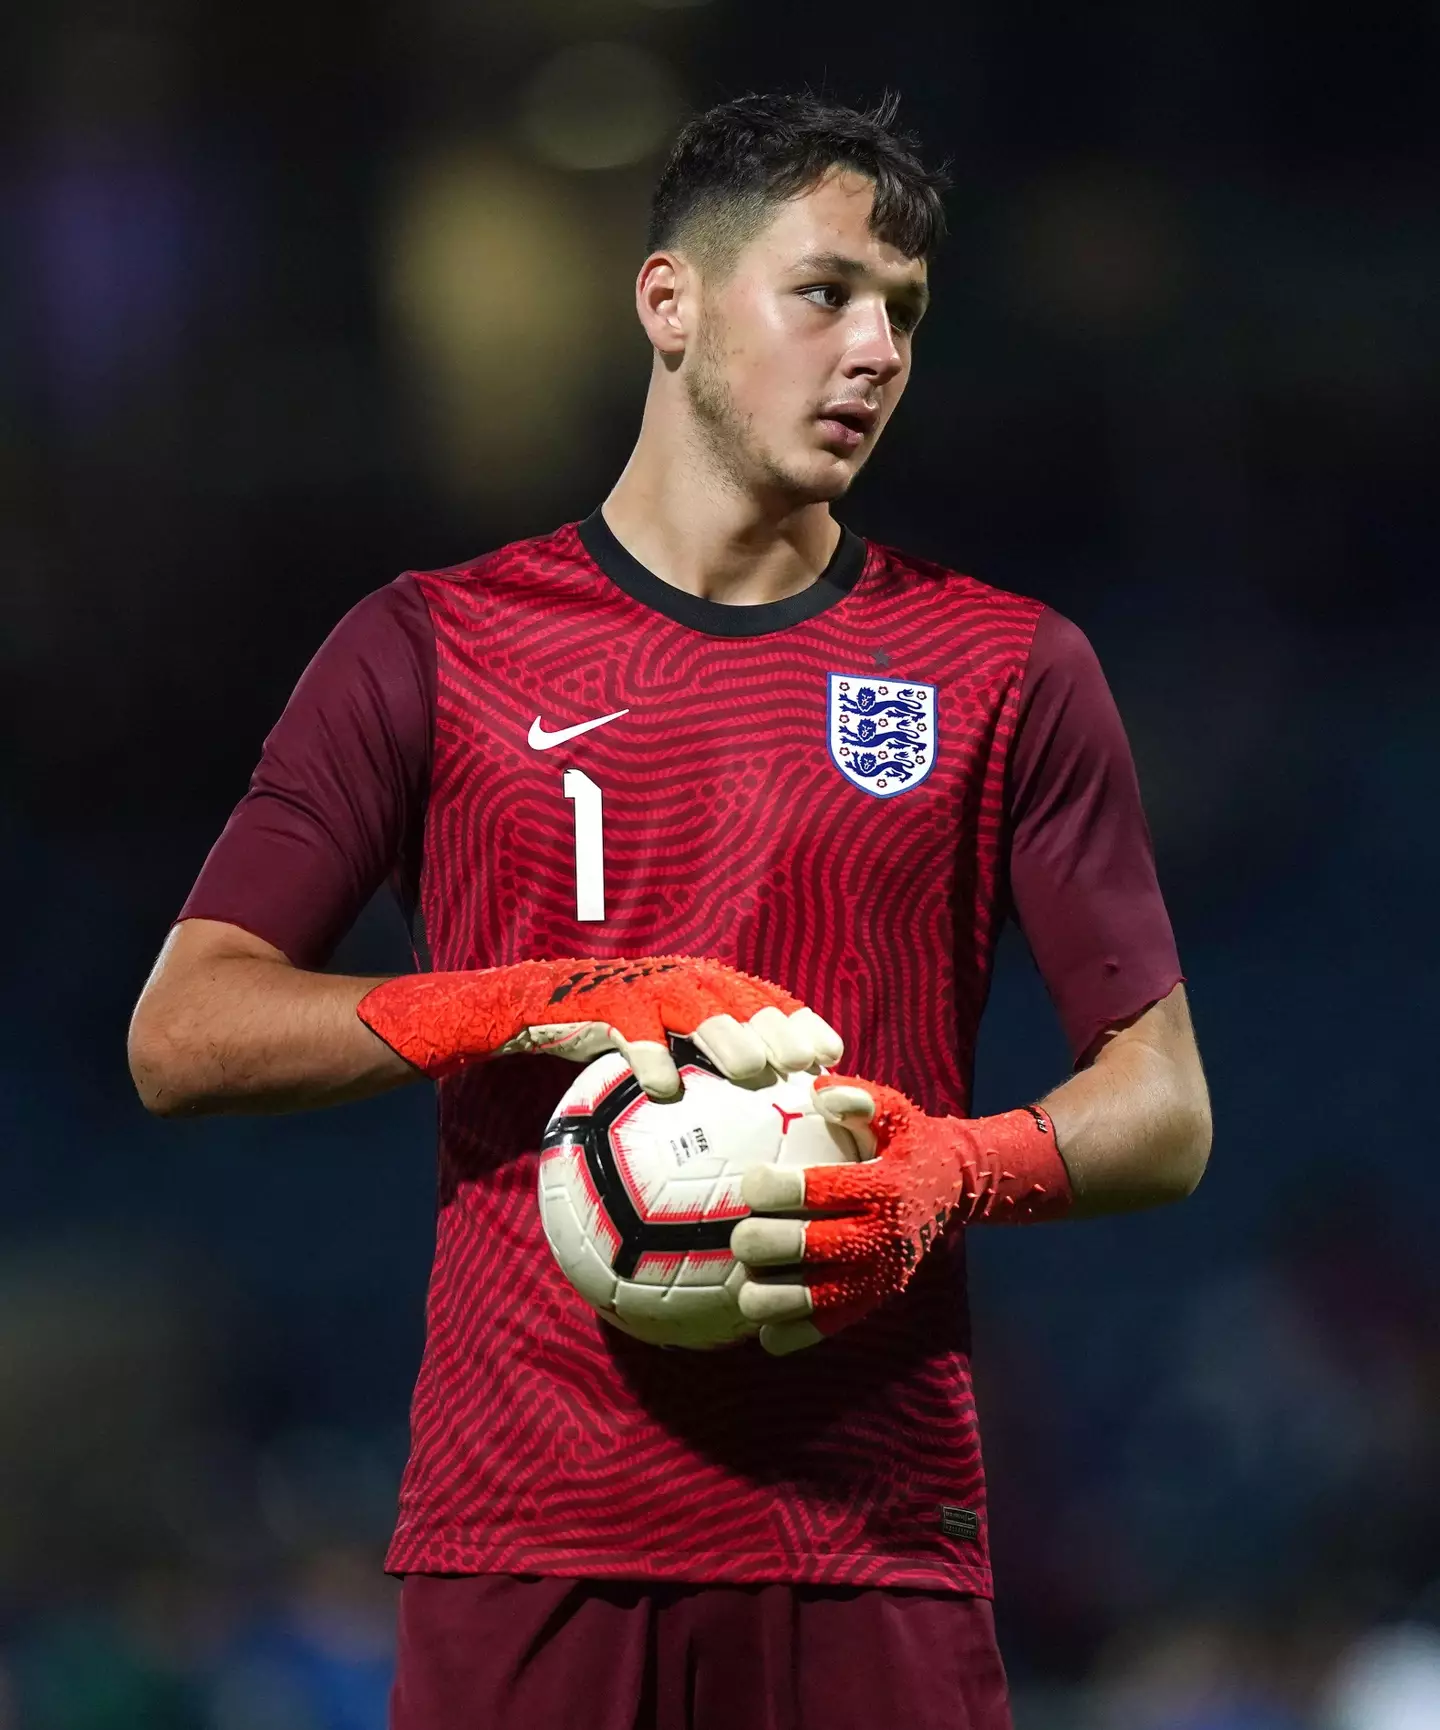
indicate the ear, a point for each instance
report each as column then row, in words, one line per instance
column 662, row 299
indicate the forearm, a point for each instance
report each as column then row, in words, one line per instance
column 227, row 1023
column 250, row 1033
column 1134, row 1127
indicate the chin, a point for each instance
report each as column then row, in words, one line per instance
column 835, row 482
column 815, row 483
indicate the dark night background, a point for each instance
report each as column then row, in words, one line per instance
column 294, row 299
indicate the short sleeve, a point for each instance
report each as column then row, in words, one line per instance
column 1082, row 867
column 336, row 804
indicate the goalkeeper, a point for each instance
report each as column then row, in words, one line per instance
column 708, row 763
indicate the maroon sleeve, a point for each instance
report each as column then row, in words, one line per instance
column 1082, row 869
column 336, row 805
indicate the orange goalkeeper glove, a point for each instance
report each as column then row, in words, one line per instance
column 577, row 1009
column 871, row 1222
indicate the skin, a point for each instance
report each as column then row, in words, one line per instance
column 727, row 495
column 226, row 1024
column 728, row 491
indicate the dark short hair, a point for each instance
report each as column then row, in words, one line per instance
column 731, row 165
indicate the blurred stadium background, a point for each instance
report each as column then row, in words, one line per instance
column 294, row 298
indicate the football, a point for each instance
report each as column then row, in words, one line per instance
column 638, row 1197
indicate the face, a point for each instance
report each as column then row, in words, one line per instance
column 801, row 353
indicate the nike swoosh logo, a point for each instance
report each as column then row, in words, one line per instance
column 541, row 740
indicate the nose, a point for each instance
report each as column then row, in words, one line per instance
column 873, row 351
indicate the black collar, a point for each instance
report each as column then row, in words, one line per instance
column 716, row 618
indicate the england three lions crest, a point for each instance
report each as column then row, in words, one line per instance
column 882, row 732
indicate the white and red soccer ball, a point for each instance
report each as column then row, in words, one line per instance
column 638, row 1198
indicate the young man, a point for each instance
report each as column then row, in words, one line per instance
column 710, row 729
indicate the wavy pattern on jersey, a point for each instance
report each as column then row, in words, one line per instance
column 543, row 1441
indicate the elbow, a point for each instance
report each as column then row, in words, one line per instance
column 160, row 1067
column 1189, row 1151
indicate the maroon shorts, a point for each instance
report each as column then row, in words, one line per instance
column 526, row 1652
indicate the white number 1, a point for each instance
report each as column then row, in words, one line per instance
column 589, row 844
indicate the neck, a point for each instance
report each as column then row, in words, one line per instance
column 701, row 531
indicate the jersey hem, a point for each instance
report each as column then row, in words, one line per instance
column 746, row 1568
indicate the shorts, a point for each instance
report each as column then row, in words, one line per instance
column 530, row 1652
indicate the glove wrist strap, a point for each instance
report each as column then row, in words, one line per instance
column 1010, row 1169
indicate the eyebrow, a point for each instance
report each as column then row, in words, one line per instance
column 915, row 294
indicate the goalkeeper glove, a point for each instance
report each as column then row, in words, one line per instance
column 577, row 1009
column 871, row 1222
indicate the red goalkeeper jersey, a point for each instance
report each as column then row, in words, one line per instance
column 552, row 753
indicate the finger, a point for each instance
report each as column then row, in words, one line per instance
column 739, row 994
column 768, row 1242
column 765, row 991
column 853, row 1110
column 653, row 1066
column 837, row 1100
column 793, row 1317
column 580, row 1041
column 821, row 1037
column 786, row 1045
column 787, row 1189
column 887, row 1099
column 764, row 1302
column 846, row 1189
column 686, row 1001
column 782, row 1338
column 834, row 1243
column 651, row 999
column 631, row 1018
column 735, row 1049
column 772, row 1189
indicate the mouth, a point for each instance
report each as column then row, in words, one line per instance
column 846, row 425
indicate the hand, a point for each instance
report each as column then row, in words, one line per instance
column 577, row 1009
column 866, row 1225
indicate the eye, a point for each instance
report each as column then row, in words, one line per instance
column 904, row 318
column 833, row 295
